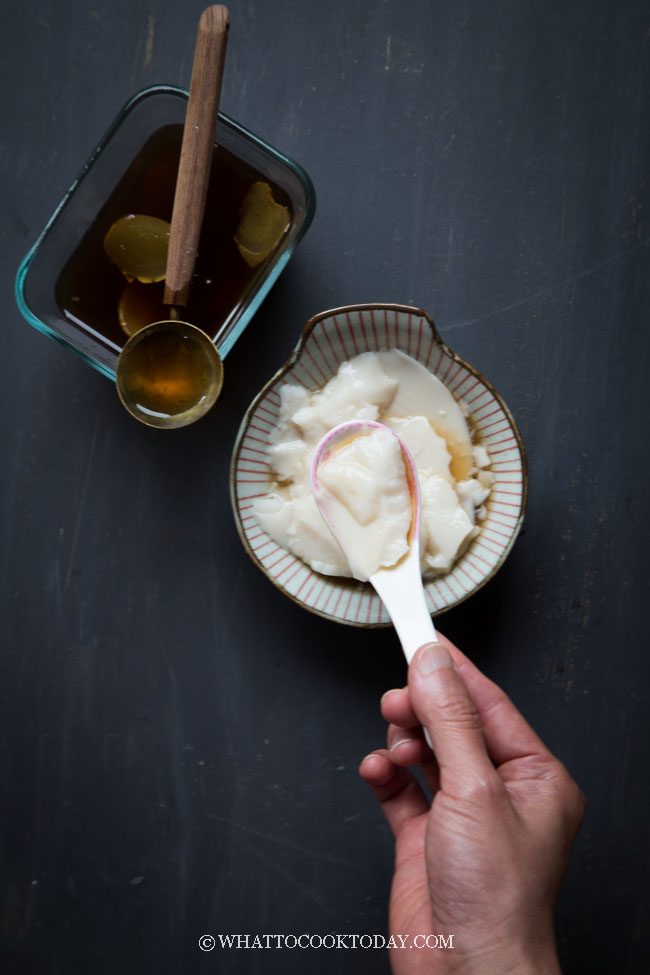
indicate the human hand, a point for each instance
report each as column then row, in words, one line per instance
column 485, row 860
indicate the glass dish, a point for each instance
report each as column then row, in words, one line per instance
column 58, row 308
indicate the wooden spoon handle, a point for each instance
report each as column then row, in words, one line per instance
column 196, row 152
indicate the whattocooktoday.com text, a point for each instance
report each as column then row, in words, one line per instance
column 209, row 942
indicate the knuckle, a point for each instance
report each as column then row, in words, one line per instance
column 580, row 805
column 480, row 791
column 458, row 711
column 571, row 796
column 544, row 768
column 576, row 802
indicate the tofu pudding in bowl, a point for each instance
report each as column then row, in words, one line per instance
column 383, row 363
column 394, row 389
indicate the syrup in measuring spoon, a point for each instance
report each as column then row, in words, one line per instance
column 169, row 373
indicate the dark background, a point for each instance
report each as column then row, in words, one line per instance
column 179, row 742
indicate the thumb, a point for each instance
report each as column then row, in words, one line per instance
column 441, row 701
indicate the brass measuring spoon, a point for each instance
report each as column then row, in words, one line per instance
column 169, row 373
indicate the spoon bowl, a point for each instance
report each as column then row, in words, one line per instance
column 399, row 586
column 170, row 374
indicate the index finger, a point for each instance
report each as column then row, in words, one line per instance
column 507, row 734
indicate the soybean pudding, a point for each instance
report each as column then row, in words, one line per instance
column 394, row 389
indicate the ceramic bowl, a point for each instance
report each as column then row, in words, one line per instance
column 328, row 340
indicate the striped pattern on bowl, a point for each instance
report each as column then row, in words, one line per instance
column 328, row 340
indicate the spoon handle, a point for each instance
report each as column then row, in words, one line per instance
column 400, row 589
column 196, row 152
column 402, row 593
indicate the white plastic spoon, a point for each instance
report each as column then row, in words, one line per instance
column 399, row 586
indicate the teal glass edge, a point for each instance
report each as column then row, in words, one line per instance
column 225, row 346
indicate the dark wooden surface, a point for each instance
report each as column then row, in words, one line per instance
column 179, row 742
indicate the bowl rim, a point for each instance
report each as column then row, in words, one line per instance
column 288, row 365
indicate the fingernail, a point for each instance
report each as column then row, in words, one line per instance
column 386, row 693
column 433, row 656
column 400, row 739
